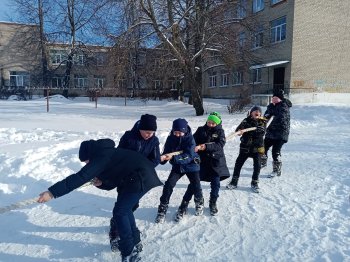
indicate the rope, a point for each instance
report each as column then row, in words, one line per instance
column 29, row 201
column 18, row 205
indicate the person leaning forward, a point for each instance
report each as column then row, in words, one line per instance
column 131, row 173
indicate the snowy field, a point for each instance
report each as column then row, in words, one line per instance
column 301, row 216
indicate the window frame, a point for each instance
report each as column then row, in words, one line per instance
column 237, row 78
column 19, row 78
column 224, row 79
column 212, row 83
column 258, row 5
column 278, row 30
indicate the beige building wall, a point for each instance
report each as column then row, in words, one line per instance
column 19, row 50
column 321, row 46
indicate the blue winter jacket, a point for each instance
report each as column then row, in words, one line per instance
column 126, row 170
column 186, row 162
column 133, row 140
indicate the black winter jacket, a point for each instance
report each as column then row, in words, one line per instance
column 189, row 160
column 127, row 170
column 280, row 125
column 213, row 161
column 252, row 140
column 133, row 140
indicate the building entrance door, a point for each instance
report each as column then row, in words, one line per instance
column 278, row 79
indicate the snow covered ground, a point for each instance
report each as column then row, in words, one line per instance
column 301, row 216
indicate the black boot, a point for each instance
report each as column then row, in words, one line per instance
column 181, row 211
column 199, row 203
column 255, row 186
column 212, row 206
column 113, row 236
column 162, row 208
column 277, row 165
column 233, row 184
column 263, row 159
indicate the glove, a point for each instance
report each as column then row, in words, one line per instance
column 260, row 129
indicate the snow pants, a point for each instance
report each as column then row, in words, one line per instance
column 169, row 185
column 124, row 219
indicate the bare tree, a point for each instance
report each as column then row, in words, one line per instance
column 187, row 28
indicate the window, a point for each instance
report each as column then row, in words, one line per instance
column 172, row 84
column 58, row 57
column 19, row 79
column 237, row 78
column 80, row 81
column 241, row 41
column 256, row 75
column 157, row 84
column 99, row 81
column 273, row 2
column 122, row 83
column 242, row 9
column 212, row 80
column 100, row 59
column 79, row 59
column 258, row 38
column 258, row 5
column 278, row 30
column 57, row 81
column 224, row 79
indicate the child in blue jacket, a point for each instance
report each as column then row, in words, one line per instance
column 185, row 163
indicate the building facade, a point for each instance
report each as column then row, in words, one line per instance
column 295, row 46
column 81, row 69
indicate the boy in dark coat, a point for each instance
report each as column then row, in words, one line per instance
column 278, row 131
column 185, row 163
column 252, row 145
column 141, row 138
column 210, row 140
column 131, row 173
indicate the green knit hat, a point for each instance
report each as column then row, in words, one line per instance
column 215, row 117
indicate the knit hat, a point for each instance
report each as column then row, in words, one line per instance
column 255, row 108
column 86, row 150
column 180, row 124
column 148, row 122
column 215, row 117
column 279, row 94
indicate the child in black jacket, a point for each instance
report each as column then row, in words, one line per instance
column 252, row 145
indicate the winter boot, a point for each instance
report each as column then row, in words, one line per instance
column 263, row 159
column 181, row 211
column 199, row 203
column 133, row 257
column 255, row 186
column 162, row 208
column 113, row 236
column 233, row 184
column 212, row 206
column 276, row 168
column 139, row 247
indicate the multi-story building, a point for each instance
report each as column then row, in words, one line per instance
column 296, row 46
column 81, row 69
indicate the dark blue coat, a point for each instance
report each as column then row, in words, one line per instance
column 280, row 125
column 127, row 170
column 133, row 140
column 213, row 161
column 189, row 160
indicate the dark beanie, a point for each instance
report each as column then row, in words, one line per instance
column 180, row 124
column 85, row 150
column 148, row 122
column 279, row 94
column 255, row 108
